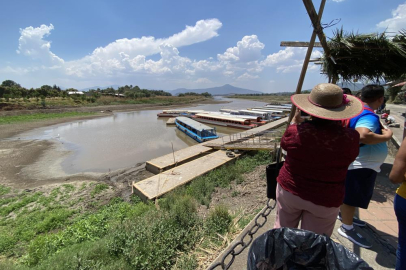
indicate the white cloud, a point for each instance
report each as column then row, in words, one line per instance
column 282, row 56
column 203, row 81
column 247, row 76
column 31, row 43
column 125, row 58
column 123, row 55
column 247, row 50
column 397, row 22
column 338, row 1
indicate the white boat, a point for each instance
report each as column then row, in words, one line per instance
column 174, row 113
column 257, row 120
column 224, row 120
column 272, row 112
column 263, row 115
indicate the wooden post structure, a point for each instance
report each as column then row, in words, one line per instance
column 316, row 31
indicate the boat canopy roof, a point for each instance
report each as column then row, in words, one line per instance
column 282, row 108
column 174, row 111
column 266, row 110
column 223, row 117
column 193, row 124
column 228, row 110
column 254, row 112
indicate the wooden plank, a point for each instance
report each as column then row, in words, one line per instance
column 164, row 182
column 165, row 162
column 243, row 147
column 299, row 44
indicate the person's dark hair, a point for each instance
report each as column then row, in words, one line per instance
column 320, row 121
column 347, row 91
column 372, row 92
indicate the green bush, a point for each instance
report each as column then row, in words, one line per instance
column 154, row 241
column 186, row 262
column 4, row 190
column 88, row 228
column 219, row 221
column 98, row 189
column 4, row 211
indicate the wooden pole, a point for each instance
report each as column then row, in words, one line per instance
column 309, row 51
column 173, row 153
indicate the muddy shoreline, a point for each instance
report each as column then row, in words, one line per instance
column 35, row 164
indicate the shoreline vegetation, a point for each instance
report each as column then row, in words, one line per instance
column 69, row 228
column 13, row 119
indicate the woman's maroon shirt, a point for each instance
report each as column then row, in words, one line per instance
column 317, row 160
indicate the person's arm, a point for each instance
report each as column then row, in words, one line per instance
column 366, row 136
column 397, row 174
column 297, row 118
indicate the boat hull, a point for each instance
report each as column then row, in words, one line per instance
column 168, row 114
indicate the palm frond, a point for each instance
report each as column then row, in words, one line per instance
column 365, row 56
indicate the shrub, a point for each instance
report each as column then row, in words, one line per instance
column 155, row 240
column 186, row 262
column 219, row 221
column 98, row 189
column 4, row 190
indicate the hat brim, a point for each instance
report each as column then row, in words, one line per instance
column 353, row 108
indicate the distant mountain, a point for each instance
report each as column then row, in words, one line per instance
column 224, row 90
column 115, row 86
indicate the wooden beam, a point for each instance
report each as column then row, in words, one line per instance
column 317, row 26
column 307, row 58
column 298, row 44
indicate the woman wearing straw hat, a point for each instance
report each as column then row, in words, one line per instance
column 311, row 182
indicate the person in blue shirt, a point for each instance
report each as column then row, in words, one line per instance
column 361, row 175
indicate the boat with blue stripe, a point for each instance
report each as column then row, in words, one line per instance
column 197, row 131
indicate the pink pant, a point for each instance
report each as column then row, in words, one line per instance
column 291, row 209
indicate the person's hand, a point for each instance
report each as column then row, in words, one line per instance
column 387, row 133
column 297, row 119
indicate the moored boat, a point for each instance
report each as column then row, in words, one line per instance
column 223, row 120
column 257, row 120
column 174, row 113
column 197, row 131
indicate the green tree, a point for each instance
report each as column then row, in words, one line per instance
column 10, row 83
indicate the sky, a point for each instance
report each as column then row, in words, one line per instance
column 165, row 45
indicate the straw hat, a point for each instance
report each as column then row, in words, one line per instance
column 327, row 101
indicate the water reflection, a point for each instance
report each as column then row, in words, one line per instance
column 123, row 139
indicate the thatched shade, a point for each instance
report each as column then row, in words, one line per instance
column 373, row 57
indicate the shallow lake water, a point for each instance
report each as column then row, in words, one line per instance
column 124, row 139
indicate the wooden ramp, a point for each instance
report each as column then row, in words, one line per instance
column 160, row 164
column 166, row 162
column 259, row 138
column 171, row 121
column 164, row 182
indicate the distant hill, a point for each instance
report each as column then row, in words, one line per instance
column 224, row 90
column 115, row 86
